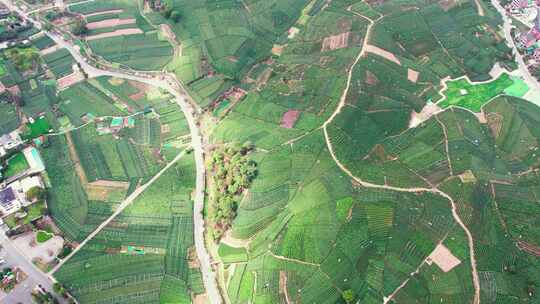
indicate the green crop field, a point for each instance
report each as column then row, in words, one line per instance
column 11, row 120
column 463, row 94
column 354, row 185
column 159, row 223
column 16, row 164
column 143, row 51
column 306, row 231
column 84, row 98
column 60, row 62
column 105, row 157
column 39, row 127
column 67, row 200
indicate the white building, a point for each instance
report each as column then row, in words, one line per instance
column 22, row 186
column 13, row 196
column 34, row 160
column 9, row 202
column 9, row 142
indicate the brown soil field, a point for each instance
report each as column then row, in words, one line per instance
column 70, row 80
column 289, row 119
column 116, row 11
column 383, row 53
column 336, row 42
column 109, row 23
column 123, row 32
column 412, row 75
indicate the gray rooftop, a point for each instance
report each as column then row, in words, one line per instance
column 7, row 196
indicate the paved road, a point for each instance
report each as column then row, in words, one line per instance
column 507, row 27
column 15, row 257
column 209, row 276
column 171, row 85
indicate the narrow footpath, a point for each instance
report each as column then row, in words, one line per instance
column 171, row 85
column 342, row 103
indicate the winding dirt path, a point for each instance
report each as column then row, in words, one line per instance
column 174, row 87
column 342, row 103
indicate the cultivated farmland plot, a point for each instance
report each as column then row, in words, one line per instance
column 144, row 253
column 350, row 202
column 307, row 232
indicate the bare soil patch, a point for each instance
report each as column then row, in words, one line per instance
column 115, row 11
column 495, row 121
column 371, row 79
column 336, row 42
column 231, row 241
column 283, row 285
column 101, row 190
column 277, row 49
column 116, row 81
column 412, row 75
column 383, row 53
column 293, row 31
column 443, row 258
column 140, row 86
column 137, row 96
column 111, row 184
column 200, row 299
column 70, row 80
column 467, row 177
column 289, row 119
column 427, row 112
column 193, row 260
column 165, row 129
column 50, row 50
column 529, row 248
column 109, row 23
column 122, row 32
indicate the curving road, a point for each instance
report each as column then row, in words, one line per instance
column 171, row 85
column 522, row 66
column 342, row 103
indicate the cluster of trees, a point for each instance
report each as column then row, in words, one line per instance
column 59, row 289
column 232, row 172
column 36, row 194
column 66, row 250
column 45, row 297
column 348, row 296
column 24, row 59
column 79, row 28
column 172, row 14
column 6, row 272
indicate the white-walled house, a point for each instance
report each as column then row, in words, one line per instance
column 13, row 196
column 9, row 202
column 9, row 142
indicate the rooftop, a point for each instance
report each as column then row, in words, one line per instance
column 7, row 195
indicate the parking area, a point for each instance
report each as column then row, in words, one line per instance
column 22, row 292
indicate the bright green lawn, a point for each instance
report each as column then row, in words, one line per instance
column 518, row 89
column 475, row 96
column 34, row 211
column 16, row 165
column 39, row 127
column 2, row 68
column 43, row 236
